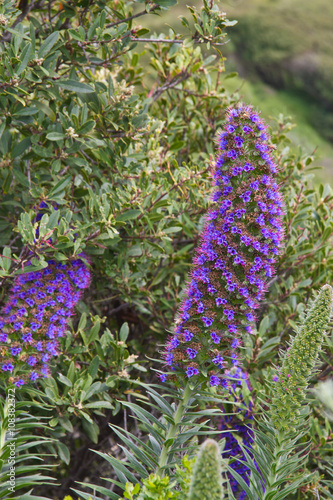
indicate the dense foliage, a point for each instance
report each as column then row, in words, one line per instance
column 105, row 165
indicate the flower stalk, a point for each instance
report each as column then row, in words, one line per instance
column 238, row 247
column 179, row 414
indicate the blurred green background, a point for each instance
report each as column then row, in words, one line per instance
column 282, row 51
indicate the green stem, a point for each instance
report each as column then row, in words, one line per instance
column 178, row 416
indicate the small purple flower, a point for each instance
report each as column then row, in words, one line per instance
column 35, row 326
column 232, row 154
column 247, row 129
column 15, row 350
column 214, row 380
column 169, row 358
column 9, row 367
column 32, row 361
column 207, row 321
column 220, row 302
column 18, row 325
column 174, row 343
column 200, row 308
column 215, row 337
column 191, row 353
column 238, row 141
column 192, row 371
column 188, row 335
column 30, row 301
column 39, row 346
column 232, row 328
column 218, row 360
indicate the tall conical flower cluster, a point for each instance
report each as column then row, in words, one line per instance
column 299, row 362
column 235, row 259
column 36, row 316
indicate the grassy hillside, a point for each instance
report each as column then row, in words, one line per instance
column 289, row 45
column 269, row 33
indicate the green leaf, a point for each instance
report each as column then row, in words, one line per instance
column 48, row 44
column 128, row 215
column 60, row 186
column 86, row 127
column 75, row 86
column 26, row 111
column 172, row 229
column 77, row 35
column 176, row 146
column 45, row 109
column 166, row 3
column 231, row 75
column 63, row 451
column 99, row 404
column 124, row 331
column 21, row 178
column 55, row 136
column 64, row 380
column 93, row 368
column 20, row 147
column 25, row 57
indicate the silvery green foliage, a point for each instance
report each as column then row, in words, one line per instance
column 206, row 479
column 20, row 441
column 168, row 434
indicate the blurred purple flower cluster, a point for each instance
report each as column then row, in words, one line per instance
column 36, row 316
column 237, row 428
column 239, row 245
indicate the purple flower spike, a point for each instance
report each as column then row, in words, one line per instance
column 31, row 317
column 239, row 245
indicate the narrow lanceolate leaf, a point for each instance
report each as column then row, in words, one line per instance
column 235, row 259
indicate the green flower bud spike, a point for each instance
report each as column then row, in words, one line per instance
column 299, row 363
column 206, row 482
